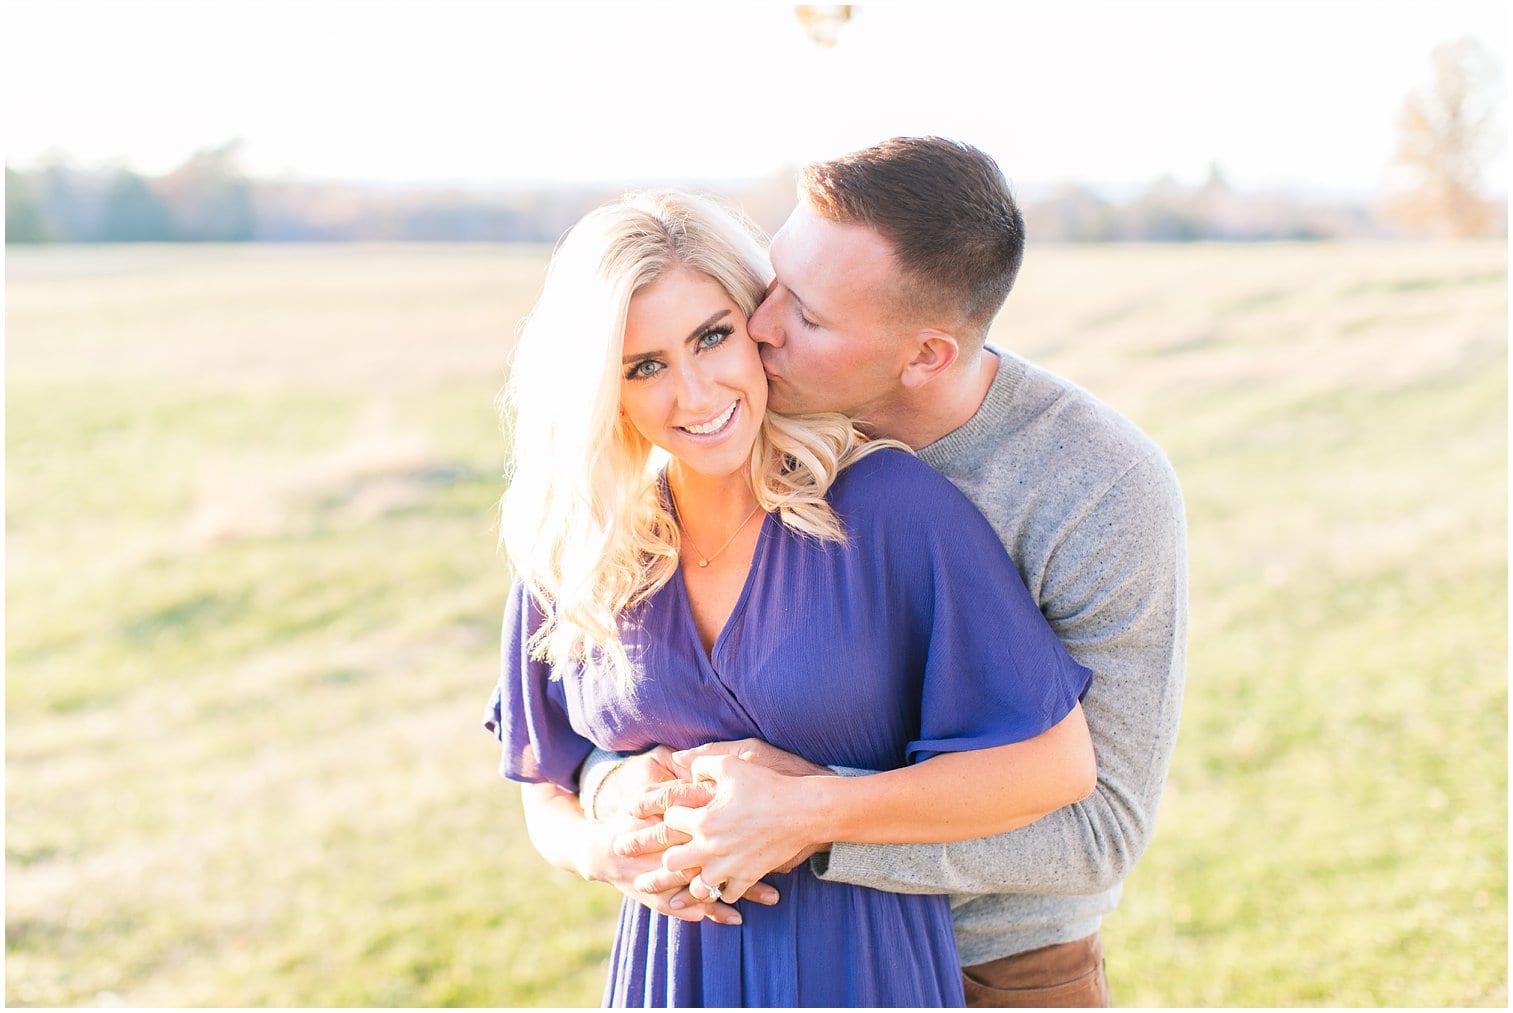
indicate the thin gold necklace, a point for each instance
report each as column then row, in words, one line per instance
column 703, row 559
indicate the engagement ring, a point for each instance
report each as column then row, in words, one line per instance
column 711, row 890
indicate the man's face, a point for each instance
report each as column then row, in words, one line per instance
column 827, row 341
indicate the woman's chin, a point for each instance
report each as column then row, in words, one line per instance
column 729, row 459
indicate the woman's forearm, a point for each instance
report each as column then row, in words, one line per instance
column 956, row 796
column 558, row 829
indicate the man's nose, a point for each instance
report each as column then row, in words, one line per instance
column 763, row 325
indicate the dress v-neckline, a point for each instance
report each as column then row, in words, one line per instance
column 689, row 622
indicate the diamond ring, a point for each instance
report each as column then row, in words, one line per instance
column 710, row 889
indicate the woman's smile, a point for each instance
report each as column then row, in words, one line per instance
column 716, row 426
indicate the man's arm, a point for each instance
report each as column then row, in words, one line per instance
column 757, row 818
column 1115, row 591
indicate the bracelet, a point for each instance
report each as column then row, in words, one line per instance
column 595, row 774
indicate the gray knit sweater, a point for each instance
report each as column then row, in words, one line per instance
column 1090, row 510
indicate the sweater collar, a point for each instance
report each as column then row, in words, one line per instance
column 990, row 416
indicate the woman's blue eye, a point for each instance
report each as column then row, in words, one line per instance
column 713, row 337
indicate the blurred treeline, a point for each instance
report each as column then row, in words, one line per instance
column 210, row 198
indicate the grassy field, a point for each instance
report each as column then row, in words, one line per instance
column 252, row 606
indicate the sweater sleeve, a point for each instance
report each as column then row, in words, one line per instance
column 1115, row 592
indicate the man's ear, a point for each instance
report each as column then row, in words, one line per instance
column 934, row 352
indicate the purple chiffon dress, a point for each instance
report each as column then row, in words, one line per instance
column 916, row 637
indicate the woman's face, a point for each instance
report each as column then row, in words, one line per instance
column 691, row 378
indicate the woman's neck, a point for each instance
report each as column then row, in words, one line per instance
column 710, row 506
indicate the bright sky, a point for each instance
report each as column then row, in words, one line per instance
column 1297, row 96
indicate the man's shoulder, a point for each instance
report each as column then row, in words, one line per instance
column 1054, row 423
column 1044, row 454
column 1060, row 406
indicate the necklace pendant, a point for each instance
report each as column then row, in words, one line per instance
column 703, row 563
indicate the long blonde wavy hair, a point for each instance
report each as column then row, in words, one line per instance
column 583, row 522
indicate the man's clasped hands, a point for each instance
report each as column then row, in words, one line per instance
column 686, row 832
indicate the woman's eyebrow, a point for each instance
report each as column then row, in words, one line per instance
column 706, row 325
column 692, row 336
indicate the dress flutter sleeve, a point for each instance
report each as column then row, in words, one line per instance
column 528, row 712
column 995, row 673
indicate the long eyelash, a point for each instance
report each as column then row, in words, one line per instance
column 724, row 331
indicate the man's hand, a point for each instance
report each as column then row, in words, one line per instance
column 733, row 822
column 603, row 865
column 663, row 794
column 767, row 755
column 692, row 794
column 757, row 821
column 636, row 871
column 655, row 837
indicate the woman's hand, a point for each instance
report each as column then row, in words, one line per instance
column 663, row 794
column 601, row 863
column 757, row 821
column 655, row 837
column 575, row 844
column 755, row 750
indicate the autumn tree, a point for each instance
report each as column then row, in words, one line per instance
column 210, row 196
column 1448, row 135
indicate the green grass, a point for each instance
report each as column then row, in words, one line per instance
column 252, row 606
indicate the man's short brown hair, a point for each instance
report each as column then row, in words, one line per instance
column 945, row 208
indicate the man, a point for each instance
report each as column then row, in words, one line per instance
column 888, row 275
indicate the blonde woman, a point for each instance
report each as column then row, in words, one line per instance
column 691, row 568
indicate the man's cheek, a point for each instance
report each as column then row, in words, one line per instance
column 779, row 399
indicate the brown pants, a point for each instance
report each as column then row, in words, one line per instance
column 1067, row 974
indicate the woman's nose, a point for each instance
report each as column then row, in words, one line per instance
column 695, row 387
